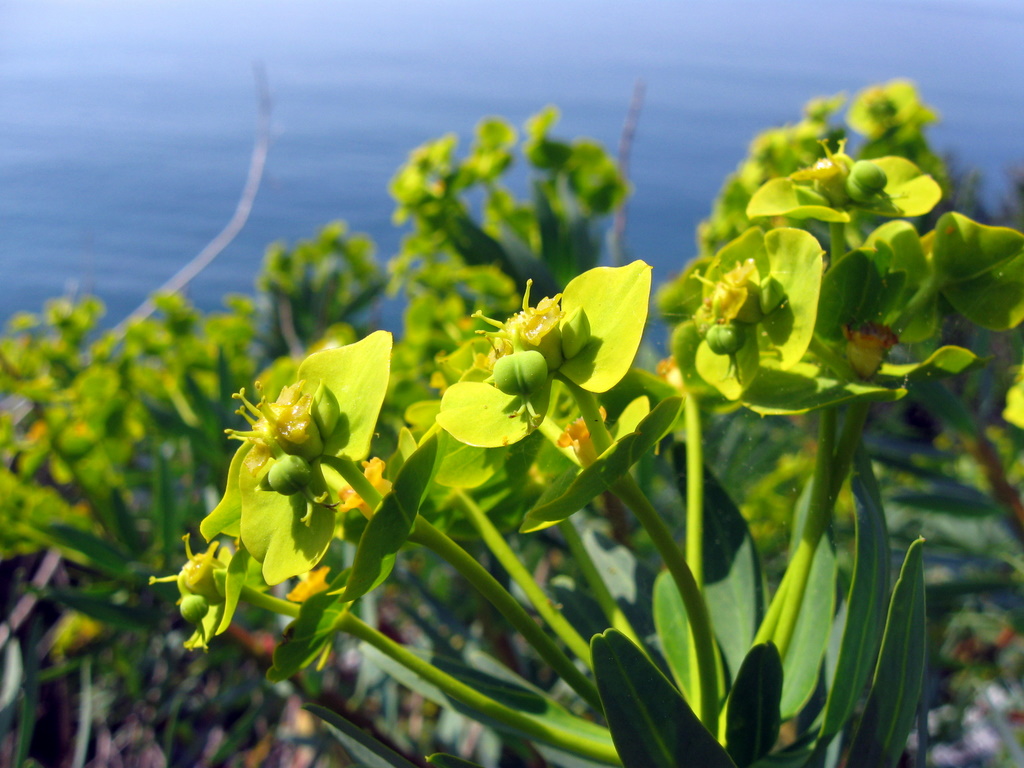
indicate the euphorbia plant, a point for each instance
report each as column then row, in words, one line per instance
column 544, row 424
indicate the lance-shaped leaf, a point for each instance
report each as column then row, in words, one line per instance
column 450, row 761
column 899, row 676
column 752, row 717
column 392, row 521
column 810, row 637
column 357, row 375
column 615, row 301
column 865, row 602
column 308, row 636
column 607, row 469
column 368, row 751
column 651, row 724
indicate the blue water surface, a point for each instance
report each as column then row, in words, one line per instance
column 126, row 125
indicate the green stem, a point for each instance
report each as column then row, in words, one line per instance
column 582, row 560
column 819, row 514
column 694, row 506
column 846, row 445
column 694, row 492
column 534, row 728
column 590, row 410
column 696, row 611
column 269, row 602
column 511, row 563
column 354, row 476
column 426, row 534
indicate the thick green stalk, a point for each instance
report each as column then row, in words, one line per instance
column 590, row 410
column 426, row 534
column 354, row 476
column 819, row 514
column 694, row 492
column 694, row 507
column 269, row 602
column 581, row 558
column 534, row 728
column 517, row 571
column 706, row 705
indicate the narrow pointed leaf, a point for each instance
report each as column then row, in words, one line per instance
column 450, row 761
column 752, row 715
column 609, row 467
column 651, row 724
column 865, row 602
column 899, row 676
column 307, row 636
column 368, row 751
column 393, row 520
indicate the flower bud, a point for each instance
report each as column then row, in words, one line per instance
column 326, row 410
column 288, row 475
column 198, row 574
column 521, row 373
column 726, row 338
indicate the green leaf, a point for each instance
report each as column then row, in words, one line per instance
column 852, row 293
column 102, row 607
column 732, row 575
column 752, row 712
column 226, row 517
column 369, row 752
column 482, row 415
column 940, row 364
column 614, row 300
column 802, row 664
column 466, row 466
column 238, row 574
column 980, row 270
column 908, row 259
column 357, row 375
column 785, row 197
column 673, row 627
column 274, row 532
column 307, row 637
column 487, row 676
column 450, row 761
column 607, row 469
column 392, row 521
column 651, row 724
column 795, row 260
column 100, row 553
column 951, row 499
column 865, row 602
column 899, row 676
column 909, row 191
column 805, row 388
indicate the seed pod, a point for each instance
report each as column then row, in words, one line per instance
column 866, row 181
column 290, row 474
column 521, row 373
column 194, row 608
column 726, row 338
